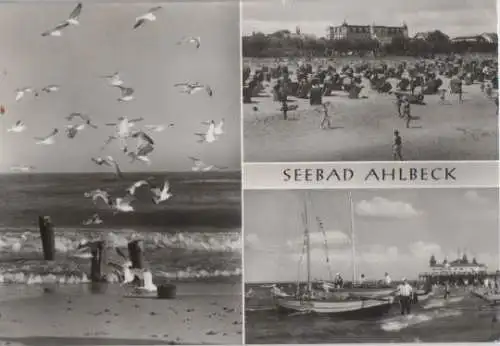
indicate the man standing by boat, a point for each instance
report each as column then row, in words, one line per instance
column 405, row 291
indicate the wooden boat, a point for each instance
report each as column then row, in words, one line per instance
column 362, row 307
column 306, row 302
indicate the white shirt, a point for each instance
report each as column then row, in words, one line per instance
column 405, row 290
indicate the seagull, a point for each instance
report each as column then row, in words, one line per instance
column 119, row 173
column 22, row 91
column 72, row 20
column 194, row 40
column 200, row 166
column 191, row 88
column 127, row 93
column 86, row 119
column 122, row 204
column 94, row 220
column 145, row 145
column 48, row 140
column 161, row 195
column 123, row 127
column 142, row 137
column 114, row 79
column 209, row 136
column 100, row 161
column 96, row 194
column 51, row 88
column 149, row 16
column 218, row 128
column 22, row 169
column 18, row 127
column 135, row 186
column 157, row 128
column 72, row 130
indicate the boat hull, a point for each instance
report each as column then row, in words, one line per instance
column 355, row 308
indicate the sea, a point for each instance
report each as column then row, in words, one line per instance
column 195, row 235
column 462, row 318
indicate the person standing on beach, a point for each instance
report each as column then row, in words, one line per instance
column 460, row 91
column 407, row 111
column 326, row 119
column 399, row 103
column 284, row 109
column 397, row 146
column 405, row 292
column 446, row 290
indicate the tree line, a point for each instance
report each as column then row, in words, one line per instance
column 282, row 44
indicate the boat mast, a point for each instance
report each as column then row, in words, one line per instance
column 308, row 245
column 353, row 240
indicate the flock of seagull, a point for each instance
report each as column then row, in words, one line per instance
column 125, row 129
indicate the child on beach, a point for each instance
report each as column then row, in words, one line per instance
column 399, row 103
column 284, row 109
column 397, row 146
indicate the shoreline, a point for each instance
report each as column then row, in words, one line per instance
column 202, row 313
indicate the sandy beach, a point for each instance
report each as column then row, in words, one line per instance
column 202, row 313
column 363, row 128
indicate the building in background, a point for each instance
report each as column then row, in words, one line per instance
column 383, row 34
column 482, row 38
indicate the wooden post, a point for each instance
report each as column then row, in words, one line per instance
column 97, row 272
column 135, row 252
column 47, row 235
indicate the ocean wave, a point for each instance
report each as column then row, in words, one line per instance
column 27, row 278
column 401, row 322
column 67, row 241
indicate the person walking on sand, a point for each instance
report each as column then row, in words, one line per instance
column 405, row 292
column 326, row 119
column 407, row 112
column 446, row 290
column 284, row 109
column 397, row 147
column 460, row 91
column 399, row 104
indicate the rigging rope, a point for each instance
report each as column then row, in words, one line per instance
column 325, row 243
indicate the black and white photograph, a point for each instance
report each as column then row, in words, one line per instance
column 120, row 218
column 401, row 81
column 371, row 266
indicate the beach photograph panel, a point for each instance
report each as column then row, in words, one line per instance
column 374, row 266
column 120, row 173
column 330, row 81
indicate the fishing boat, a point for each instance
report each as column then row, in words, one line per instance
column 308, row 301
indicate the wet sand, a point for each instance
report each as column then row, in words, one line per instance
column 363, row 128
column 202, row 313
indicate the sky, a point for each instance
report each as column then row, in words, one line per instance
column 453, row 17
column 395, row 231
column 149, row 60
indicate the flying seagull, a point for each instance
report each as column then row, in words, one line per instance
column 114, row 79
column 200, row 166
column 48, row 140
column 209, row 136
column 51, row 88
column 161, row 195
column 23, row 91
column 127, row 93
column 157, row 128
column 100, row 161
column 118, row 172
column 218, row 128
column 149, row 16
column 191, row 88
column 135, row 186
column 94, row 220
column 18, row 127
column 72, row 20
column 195, row 40
column 72, row 130
column 85, row 118
column 119, row 204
